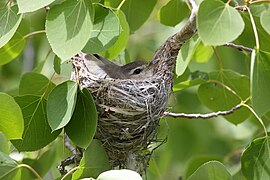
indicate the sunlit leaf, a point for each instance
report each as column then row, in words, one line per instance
column 137, row 12
column 173, row 12
column 12, row 49
column 9, row 22
column 61, row 104
column 211, row 170
column 32, row 5
column 265, row 21
column 35, row 84
column 202, row 53
column 84, row 119
column 68, row 27
column 255, row 159
column 94, row 161
column 218, row 23
column 11, row 118
column 37, row 132
column 122, row 40
column 184, row 56
column 105, row 31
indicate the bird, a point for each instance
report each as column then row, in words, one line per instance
column 103, row 68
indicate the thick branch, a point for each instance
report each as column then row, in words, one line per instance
column 239, row 47
column 203, row 116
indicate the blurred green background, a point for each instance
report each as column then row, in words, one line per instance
column 190, row 142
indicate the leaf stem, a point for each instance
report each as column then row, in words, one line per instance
column 120, row 5
column 228, row 2
column 69, row 172
column 254, row 29
column 31, row 169
column 227, row 87
column 259, row 119
column 218, row 57
column 33, row 33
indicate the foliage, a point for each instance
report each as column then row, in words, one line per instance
column 39, row 102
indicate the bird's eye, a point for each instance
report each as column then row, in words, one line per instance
column 137, row 71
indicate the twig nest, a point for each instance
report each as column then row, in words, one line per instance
column 129, row 112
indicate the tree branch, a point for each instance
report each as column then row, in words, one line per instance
column 203, row 116
column 239, row 47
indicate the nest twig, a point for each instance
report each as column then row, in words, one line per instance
column 129, row 109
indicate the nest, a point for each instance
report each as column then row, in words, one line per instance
column 129, row 111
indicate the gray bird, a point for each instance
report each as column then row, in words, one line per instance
column 104, row 68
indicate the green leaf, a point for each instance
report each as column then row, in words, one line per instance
column 218, row 23
column 137, row 12
column 68, row 27
column 42, row 165
column 57, row 64
column 94, row 161
column 218, row 98
column 184, row 56
column 211, row 170
column 32, row 5
column 202, row 53
column 173, row 12
column 82, row 126
column 11, row 118
column 248, row 40
column 265, row 21
column 122, row 40
column 7, row 167
column 196, row 162
column 182, row 82
column 37, row 132
column 9, row 22
column 257, row 9
column 255, row 159
column 12, row 49
column 4, row 144
column 105, row 31
column 186, row 84
column 61, row 104
column 35, row 84
column 260, row 87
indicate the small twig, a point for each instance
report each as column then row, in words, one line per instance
column 68, row 145
column 239, row 47
column 47, row 8
column 241, row 8
column 203, row 116
column 73, row 159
